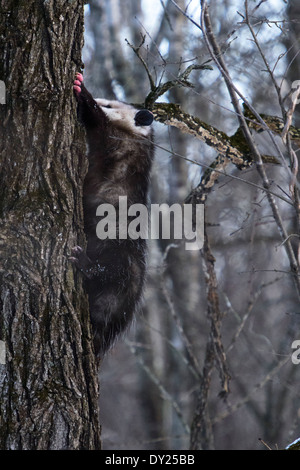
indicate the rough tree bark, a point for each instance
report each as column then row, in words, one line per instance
column 48, row 376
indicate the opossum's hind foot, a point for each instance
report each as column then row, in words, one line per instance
column 77, row 254
column 82, row 261
column 87, row 267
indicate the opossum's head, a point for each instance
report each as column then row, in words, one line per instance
column 127, row 117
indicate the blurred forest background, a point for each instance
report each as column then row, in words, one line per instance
column 153, row 381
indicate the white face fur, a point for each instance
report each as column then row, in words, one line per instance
column 122, row 115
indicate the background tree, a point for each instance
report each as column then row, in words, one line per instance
column 48, row 378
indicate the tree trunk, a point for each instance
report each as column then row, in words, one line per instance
column 48, row 376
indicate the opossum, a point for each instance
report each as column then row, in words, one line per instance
column 120, row 153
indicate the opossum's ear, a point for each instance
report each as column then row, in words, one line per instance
column 143, row 118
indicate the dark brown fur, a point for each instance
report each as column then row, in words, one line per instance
column 119, row 165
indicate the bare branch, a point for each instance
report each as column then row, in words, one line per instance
column 182, row 80
column 215, row 317
column 236, row 150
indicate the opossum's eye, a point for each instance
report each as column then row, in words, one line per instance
column 143, row 118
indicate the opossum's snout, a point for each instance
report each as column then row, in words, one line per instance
column 143, row 118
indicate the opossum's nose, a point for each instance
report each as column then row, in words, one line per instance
column 144, row 117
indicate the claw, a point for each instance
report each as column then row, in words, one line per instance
column 76, row 250
column 79, row 76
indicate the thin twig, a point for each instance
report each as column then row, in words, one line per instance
column 254, row 297
column 164, row 393
column 231, row 409
column 136, row 50
column 192, row 358
column 175, row 350
column 186, row 15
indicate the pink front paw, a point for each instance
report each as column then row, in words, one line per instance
column 78, row 82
